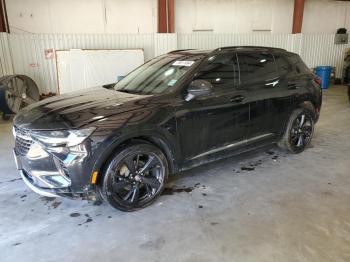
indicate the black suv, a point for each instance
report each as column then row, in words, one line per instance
column 177, row 111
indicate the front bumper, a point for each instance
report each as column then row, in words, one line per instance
column 49, row 182
column 36, row 189
column 59, row 171
column 54, row 173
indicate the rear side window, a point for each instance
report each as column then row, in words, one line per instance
column 256, row 67
column 283, row 65
column 220, row 70
column 301, row 68
column 298, row 66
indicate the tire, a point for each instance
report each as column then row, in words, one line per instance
column 135, row 177
column 299, row 131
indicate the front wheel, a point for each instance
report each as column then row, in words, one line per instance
column 299, row 131
column 135, row 177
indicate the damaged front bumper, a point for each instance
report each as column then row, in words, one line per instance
column 49, row 183
column 41, row 191
column 49, row 176
column 54, row 171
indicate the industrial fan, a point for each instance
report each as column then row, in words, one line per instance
column 16, row 92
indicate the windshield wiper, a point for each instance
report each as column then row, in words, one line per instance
column 128, row 91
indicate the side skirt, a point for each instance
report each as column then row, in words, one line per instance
column 230, row 151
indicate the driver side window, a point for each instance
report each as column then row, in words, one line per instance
column 221, row 70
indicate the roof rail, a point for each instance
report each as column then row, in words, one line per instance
column 252, row 47
column 181, row 50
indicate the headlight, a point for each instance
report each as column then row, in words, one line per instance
column 36, row 152
column 66, row 138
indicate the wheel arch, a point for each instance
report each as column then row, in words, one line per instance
column 308, row 105
column 159, row 142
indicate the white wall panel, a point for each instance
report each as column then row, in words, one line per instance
column 140, row 16
column 82, row 16
column 324, row 16
column 133, row 16
column 234, row 16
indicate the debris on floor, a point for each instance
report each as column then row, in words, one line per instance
column 172, row 190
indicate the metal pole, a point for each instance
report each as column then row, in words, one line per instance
column 298, row 16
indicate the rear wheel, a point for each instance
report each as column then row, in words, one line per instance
column 135, row 177
column 299, row 131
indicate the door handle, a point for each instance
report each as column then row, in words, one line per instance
column 237, row 99
column 292, row 86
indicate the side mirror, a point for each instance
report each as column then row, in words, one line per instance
column 198, row 88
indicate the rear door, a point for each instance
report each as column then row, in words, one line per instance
column 259, row 77
column 208, row 124
column 293, row 77
column 298, row 78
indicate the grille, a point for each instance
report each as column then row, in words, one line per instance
column 63, row 167
column 23, row 141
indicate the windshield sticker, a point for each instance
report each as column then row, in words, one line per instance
column 183, row 63
column 172, row 82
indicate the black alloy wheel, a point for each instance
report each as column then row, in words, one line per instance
column 135, row 177
column 299, row 131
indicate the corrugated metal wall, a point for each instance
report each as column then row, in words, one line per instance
column 25, row 53
column 319, row 49
column 28, row 51
column 6, row 67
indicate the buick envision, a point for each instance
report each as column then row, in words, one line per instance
column 177, row 111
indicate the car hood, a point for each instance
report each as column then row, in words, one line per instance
column 78, row 109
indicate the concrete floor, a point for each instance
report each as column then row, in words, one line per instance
column 286, row 208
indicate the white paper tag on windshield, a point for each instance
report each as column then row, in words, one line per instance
column 183, row 63
column 172, row 82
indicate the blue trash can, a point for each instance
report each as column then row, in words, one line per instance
column 324, row 72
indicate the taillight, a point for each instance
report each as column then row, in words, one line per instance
column 317, row 80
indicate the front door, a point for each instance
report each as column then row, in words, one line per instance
column 219, row 120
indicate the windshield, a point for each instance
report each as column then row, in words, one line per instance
column 158, row 75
